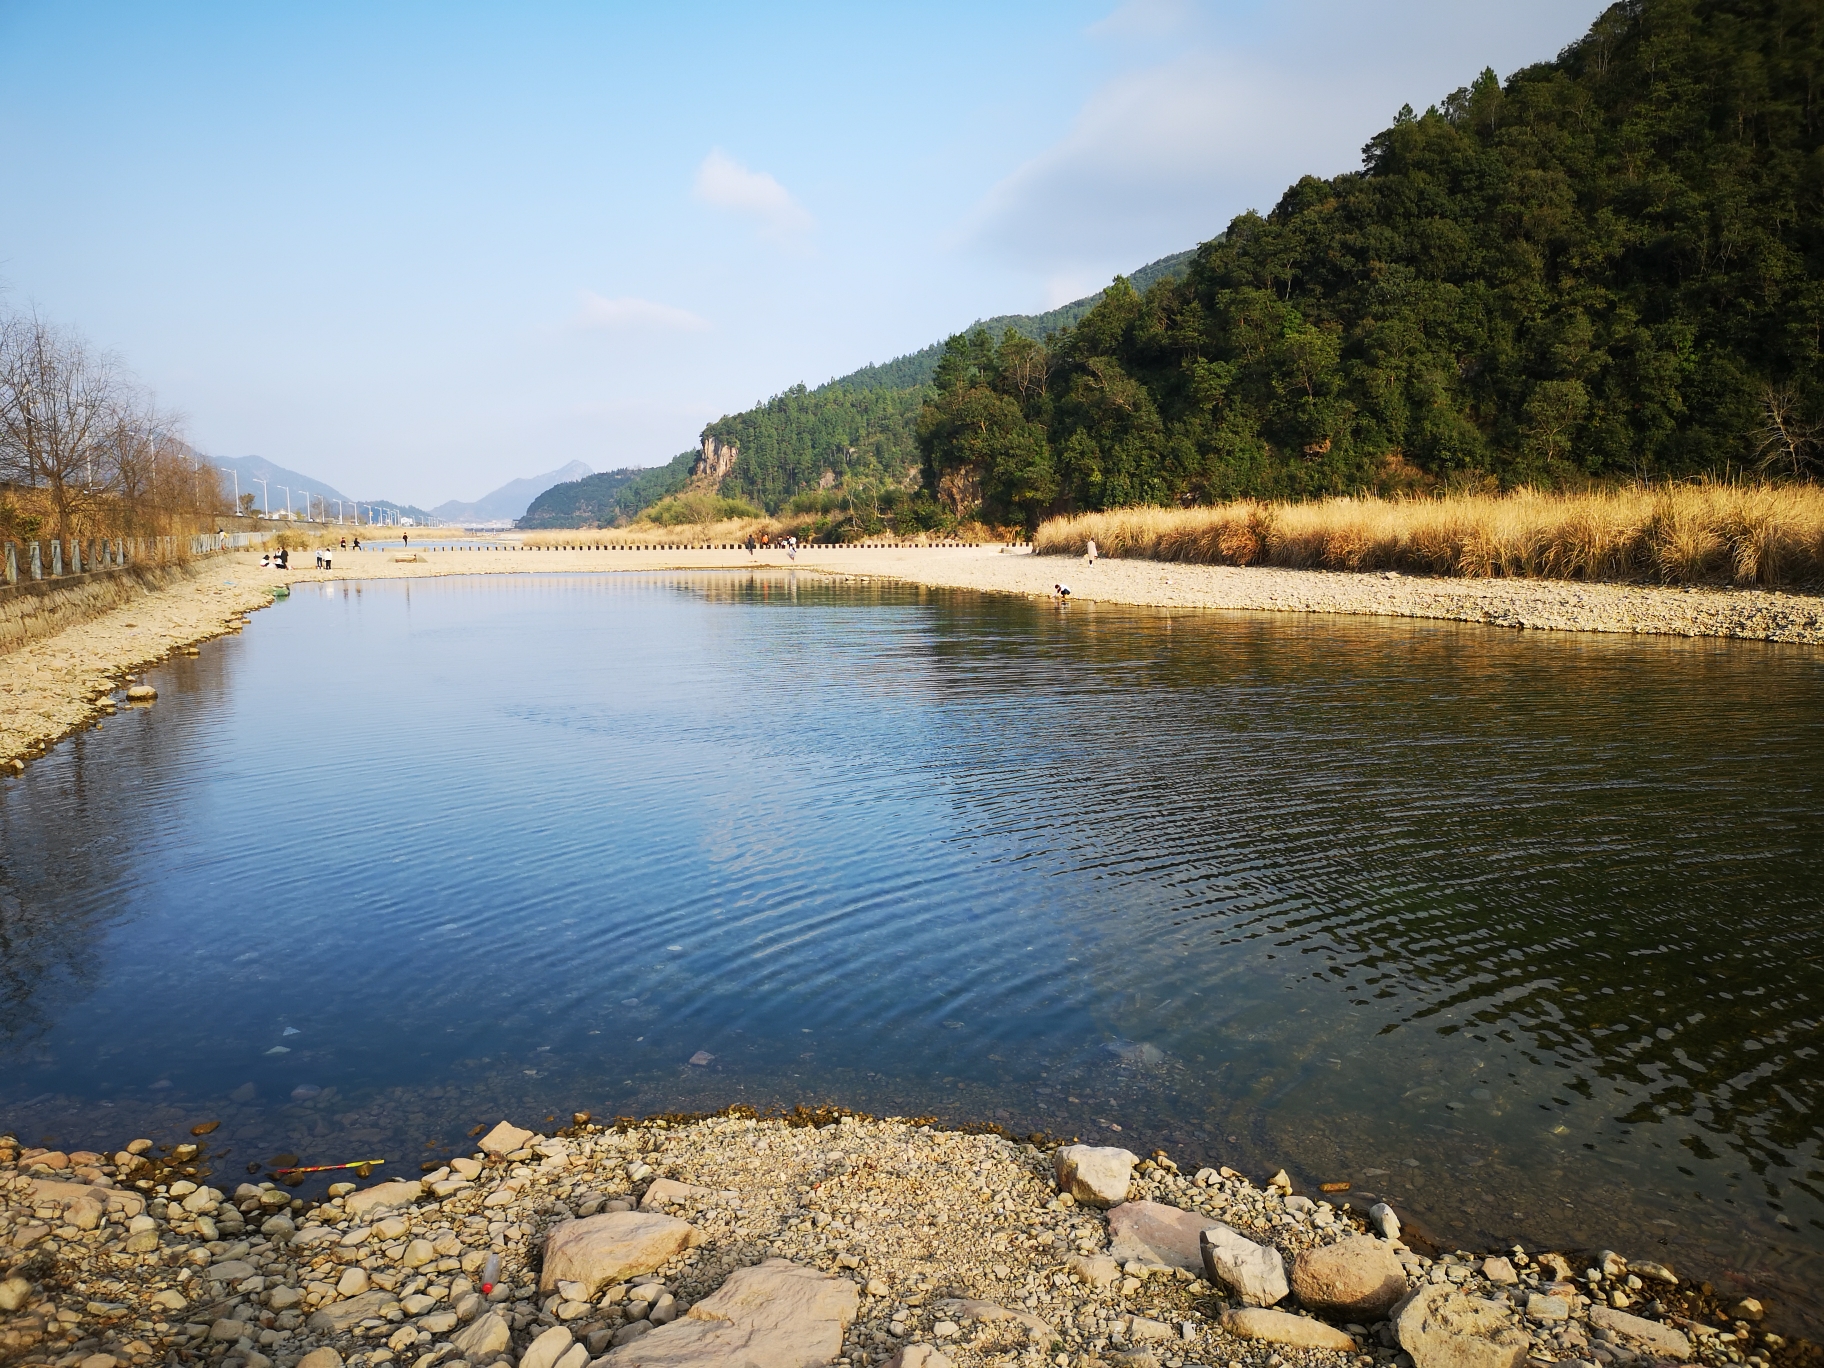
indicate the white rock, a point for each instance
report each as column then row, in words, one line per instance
column 1282, row 1327
column 1444, row 1328
column 598, row 1251
column 1255, row 1274
column 1382, row 1218
column 1651, row 1335
column 919, row 1356
column 505, row 1138
column 483, row 1340
column 1095, row 1173
column 774, row 1315
column 666, row 1192
column 1094, row 1270
column 381, row 1197
column 547, row 1349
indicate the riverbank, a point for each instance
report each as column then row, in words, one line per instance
column 815, row 1238
column 55, row 685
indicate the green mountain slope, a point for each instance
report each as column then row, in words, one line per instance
column 860, row 429
column 607, row 497
column 1612, row 265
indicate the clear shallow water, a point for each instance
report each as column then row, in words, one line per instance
column 1518, row 930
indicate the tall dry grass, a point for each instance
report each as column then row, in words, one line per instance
column 1678, row 534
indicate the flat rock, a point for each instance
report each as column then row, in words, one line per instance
column 1157, row 1234
column 1098, row 1174
column 1444, row 1328
column 598, row 1251
column 968, row 1308
column 1096, row 1270
column 1651, row 1335
column 774, row 1315
column 666, row 1192
column 487, row 1336
column 338, row 1318
column 232, row 1270
column 321, row 1358
column 1255, row 1274
column 919, row 1356
column 505, row 1138
column 1282, row 1327
column 128, row 1203
column 381, row 1197
column 1358, row 1279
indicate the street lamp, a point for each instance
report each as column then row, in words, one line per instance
column 266, row 494
column 287, row 501
column 237, row 486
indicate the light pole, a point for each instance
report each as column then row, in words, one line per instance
column 237, row 487
column 287, row 501
column 338, row 512
column 265, row 493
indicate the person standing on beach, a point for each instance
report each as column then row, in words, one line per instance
column 1092, row 550
column 750, row 543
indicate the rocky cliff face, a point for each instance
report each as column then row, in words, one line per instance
column 716, row 460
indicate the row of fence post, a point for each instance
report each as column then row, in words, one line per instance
column 85, row 555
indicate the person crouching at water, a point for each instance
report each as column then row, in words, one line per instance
column 1060, row 592
column 1092, row 551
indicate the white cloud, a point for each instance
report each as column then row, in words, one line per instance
column 726, row 184
column 636, row 315
column 1165, row 152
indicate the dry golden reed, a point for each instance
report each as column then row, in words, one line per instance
column 1676, row 534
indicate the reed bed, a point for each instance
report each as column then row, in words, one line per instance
column 1679, row 534
column 642, row 534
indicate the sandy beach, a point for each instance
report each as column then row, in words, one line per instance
column 75, row 678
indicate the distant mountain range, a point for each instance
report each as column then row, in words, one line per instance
column 280, row 480
column 509, row 502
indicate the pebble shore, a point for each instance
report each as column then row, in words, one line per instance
column 855, row 1241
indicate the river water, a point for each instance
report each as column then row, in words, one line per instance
column 1519, row 931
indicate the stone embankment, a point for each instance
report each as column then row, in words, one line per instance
column 731, row 1240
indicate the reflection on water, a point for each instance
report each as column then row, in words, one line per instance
column 1515, row 930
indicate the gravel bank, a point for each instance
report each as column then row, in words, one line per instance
column 1550, row 605
column 900, row 1243
column 77, row 677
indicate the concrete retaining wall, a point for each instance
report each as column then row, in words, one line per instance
column 39, row 608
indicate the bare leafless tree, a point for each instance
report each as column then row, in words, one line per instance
column 77, row 432
column 1789, row 440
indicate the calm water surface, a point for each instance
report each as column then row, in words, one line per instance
column 1520, row 931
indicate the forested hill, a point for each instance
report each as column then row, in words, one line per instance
column 856, row 434
column 1612, row 265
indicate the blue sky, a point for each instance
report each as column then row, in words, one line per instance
column 420, row 249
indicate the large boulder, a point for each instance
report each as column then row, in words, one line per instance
column 1358, row 1279
column 1255, row 1274
column 1098, row 1174
column 505, row 1138
column 1638, row 1331
column 597, row 1251
column 1282, row 1327
column 1444, row 1328
column 1154, row 1233
column 775, row 1315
